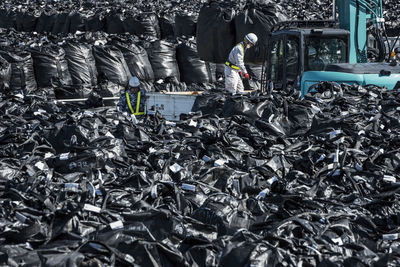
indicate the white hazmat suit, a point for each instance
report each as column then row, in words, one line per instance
column 233, row 81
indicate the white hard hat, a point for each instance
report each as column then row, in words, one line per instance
column 134, row 81
column 252, row 38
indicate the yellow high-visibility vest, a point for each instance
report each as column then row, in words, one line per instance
column 137, row 104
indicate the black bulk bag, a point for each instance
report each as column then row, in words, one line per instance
column 137, row 59
column 185, row 24
column 162, row 56
column 50, row 64
column 26, row 20
column 167, row 25
column 5, row 74
column 114, row 22
column 46, row 21
column 111, row 65
column 81, row 63
column 76, row 162
column 22, row 72
column 191, row 68
column 145, row 24
column 215, row 33
column 7, row 19
column 95, row 22
column 76, row 22
column 259, row 22
column 61, row 23
column 255, row 72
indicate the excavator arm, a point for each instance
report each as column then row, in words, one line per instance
column 355, row 16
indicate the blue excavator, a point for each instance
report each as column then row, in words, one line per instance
column 303, row 53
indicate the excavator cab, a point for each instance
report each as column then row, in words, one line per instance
column 304, row 53
column 295, row 50
column 302, row 56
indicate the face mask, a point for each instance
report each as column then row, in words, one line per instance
column 248, row 46
column 134, row 90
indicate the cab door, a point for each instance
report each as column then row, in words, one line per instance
column 284, row 65
column 292, row 67
column 275, row 69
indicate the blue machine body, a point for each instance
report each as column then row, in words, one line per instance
column 311, row 78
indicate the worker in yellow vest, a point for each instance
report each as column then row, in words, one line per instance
column 234, row 66
column 133, row 99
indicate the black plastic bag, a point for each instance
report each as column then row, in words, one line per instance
column 26, row 20
column 95, row 22
column 145, row 24
column 55, row 258
column 46, row 21
column 227, row 222
column 253, row 108
column 258, row 22
column 114, row 22
column 81, row 63
column 201, row 251
column 137, row 59
column 209, row 104
column 215, row 33
column 111, row 65
column 238, row 251
column 75, row 91
column 108, row 89
column 191, row 68
column 22, row 72
column 167, row 25
column 50, row 64
column 7, row 18
column 170, row 84
column 61, row 23
column 74, row 162
column 255, row 78
column 162, row 56
column 94, row 100
column 76, row 22
column 60, row 137
column 185, row 24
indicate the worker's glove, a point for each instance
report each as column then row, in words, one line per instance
column 247, row 76
column 133, row 118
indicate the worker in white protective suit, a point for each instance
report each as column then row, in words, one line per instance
column 234, row 67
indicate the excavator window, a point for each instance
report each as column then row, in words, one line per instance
column 322, row 51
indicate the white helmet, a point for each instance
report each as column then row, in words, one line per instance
column 134, row 81
column 252, row 38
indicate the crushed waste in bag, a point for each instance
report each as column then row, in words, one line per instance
column 81, row 63
column 264, row 179
column 22, row 71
